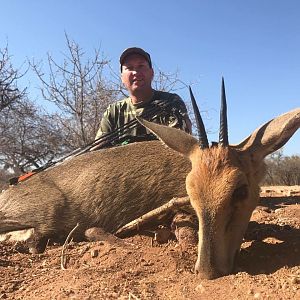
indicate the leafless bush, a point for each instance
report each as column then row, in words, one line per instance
column 282, row 170
column 9, row 92
column 28, row 138
column 79, row 90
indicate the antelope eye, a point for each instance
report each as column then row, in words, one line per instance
column 240, row 193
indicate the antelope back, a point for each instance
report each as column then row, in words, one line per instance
column 106, row 188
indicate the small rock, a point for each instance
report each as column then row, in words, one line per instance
column 95, row 234
column 285, row 286
column 186, row 236
column 250, row 292
column 257, row 295
column 147, row 263
column 94, row 253
column 200, row 288
column 114, row 295
column 44, row 263
column 295, row 280
column 265, row 209
column 162, row 235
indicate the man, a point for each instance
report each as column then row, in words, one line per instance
column 157, row 106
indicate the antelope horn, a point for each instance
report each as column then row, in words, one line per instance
column 223, row 135
column 203, row 142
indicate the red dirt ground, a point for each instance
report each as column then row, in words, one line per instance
column 133, row 268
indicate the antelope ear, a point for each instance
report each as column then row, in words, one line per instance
column 272, row 135
column 175, row 139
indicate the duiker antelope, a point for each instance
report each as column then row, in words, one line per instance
column 223, row 183
column 108, row 188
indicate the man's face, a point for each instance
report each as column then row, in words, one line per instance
column 136, row 73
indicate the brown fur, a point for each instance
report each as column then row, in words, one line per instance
column 111, row 187
column 106, row 188
column 216, row 174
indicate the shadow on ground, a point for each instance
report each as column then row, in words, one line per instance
column 272, row 242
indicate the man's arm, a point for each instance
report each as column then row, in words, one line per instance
column 105, row 124
column 105, row 127
column 183, row 114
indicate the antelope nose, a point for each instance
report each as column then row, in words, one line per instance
column 206, row 272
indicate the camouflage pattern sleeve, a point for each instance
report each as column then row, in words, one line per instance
column 105, row 124
column 185, row 120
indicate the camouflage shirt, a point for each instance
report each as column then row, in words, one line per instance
column 164, row 108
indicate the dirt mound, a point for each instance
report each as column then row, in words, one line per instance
column 135, row 268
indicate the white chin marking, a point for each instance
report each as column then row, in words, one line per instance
column 17, row 236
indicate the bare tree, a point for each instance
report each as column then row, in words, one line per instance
column 78, row 89
column 168, row 81
column 9, row 92
column 282, row 170
column 28, row 138
column 290, row 170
